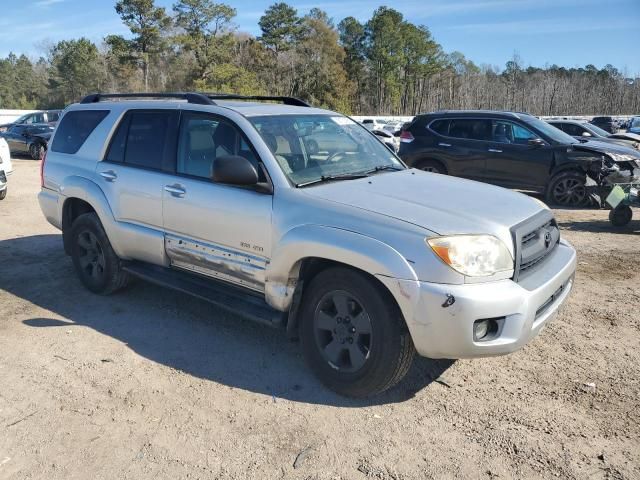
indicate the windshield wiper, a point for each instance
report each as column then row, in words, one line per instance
column 332, row 178
column 382, row 168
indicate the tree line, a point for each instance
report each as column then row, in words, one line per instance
column 385, row 66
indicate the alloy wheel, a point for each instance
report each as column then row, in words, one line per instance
column 91, row 257
column 342, row 330
column 570, row 192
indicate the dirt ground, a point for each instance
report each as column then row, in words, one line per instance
column 150, row 383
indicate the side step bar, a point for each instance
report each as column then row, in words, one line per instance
column 228, row 297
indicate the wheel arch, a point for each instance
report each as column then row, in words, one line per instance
column 305, row 251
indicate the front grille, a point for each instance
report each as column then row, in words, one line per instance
column 534, row 240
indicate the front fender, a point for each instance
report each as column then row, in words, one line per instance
column 329, row 243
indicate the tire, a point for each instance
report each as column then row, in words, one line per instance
column 35, row 151
column 567, row 189
column 432, row 166
column 620, row 216
column 95, row 262
column 353, row 335
column 3, row 194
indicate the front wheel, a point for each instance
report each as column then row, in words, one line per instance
column 353, row 334
column 3, row 194
column 97, row 265
column 35, row 151
column 567, row 189
column 620, row 216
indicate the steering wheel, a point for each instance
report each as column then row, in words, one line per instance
column 334, row 156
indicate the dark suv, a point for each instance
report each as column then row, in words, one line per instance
column 605, row 123
column 514, row 150
column 46, row 116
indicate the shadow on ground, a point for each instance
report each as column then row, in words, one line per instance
column 602, row 226
column 179, row 331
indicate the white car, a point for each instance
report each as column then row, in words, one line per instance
column 5, row 167
column 373, row 123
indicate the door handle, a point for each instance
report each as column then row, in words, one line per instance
column 109, row 175
column 495, row 150
column 444, row 144
column 175, row 190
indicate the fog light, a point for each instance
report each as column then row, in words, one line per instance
column 480, row 329
column 487, row 329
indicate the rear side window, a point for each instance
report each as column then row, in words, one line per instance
column 75, row 128
column 440, row 126
column 479, row 129
column 145, row 138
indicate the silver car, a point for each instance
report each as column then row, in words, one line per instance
column 302, row 219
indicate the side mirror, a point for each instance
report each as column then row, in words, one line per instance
column 536, row 142
column 234, row 170
column 397, row 133
column 586, row 134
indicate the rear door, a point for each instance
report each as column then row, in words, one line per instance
column 218, row 230
column 137, row 166
column 463, row 144
column 514, row 163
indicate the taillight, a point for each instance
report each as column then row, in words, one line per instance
column 44, row 158
column 406, row 137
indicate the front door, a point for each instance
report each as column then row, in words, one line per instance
column 16, row 138
column 217, row 230
column 513, row 162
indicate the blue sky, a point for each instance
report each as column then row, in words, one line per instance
column 564, row 32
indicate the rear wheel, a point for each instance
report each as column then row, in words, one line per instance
column 567, row 189
column 97, row 265
column 620, row 216
column 432, row 166
column 353, row 334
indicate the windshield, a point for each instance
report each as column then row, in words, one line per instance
column 309, row 148
column 555, row 134
column 22, row 118
column 598, row 131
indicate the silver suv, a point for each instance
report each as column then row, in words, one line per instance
column 300, row 218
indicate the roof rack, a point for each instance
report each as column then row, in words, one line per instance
column 285, row 100
column 197, row 98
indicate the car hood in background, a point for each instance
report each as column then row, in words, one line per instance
column 626, row 136
column 606, row 148
column 439, row 203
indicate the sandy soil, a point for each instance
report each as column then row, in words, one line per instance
column 150, row 383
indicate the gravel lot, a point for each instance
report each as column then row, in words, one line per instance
column 150, row 383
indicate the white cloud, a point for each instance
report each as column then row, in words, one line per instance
column 46, row 3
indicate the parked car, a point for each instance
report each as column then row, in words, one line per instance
column 392, row 127
column 634, row 125
column 364, row 260
column 46, row 116
column 28, row 139
column 514, row 150
column 388, row 139
column 374, row 123
column 6, row 168
column 605, row 123
column 585, row 130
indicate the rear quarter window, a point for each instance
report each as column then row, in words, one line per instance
column 75, row 128
column 440, row 126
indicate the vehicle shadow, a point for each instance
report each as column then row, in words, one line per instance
column 178, row 331
column 601, row 226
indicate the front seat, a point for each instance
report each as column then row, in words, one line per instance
column 500, row 134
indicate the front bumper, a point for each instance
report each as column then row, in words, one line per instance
column 440, row 331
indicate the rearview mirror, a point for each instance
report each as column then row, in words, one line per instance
column 234, row 170
column 586, row 134
column 536, row 142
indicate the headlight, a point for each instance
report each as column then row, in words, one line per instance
column 473, row 255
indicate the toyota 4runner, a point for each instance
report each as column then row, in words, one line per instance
column 300, row 218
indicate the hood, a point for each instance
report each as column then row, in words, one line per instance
column 606, row 148
column 626, row 136
column 439, row 203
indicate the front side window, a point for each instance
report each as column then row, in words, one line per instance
column 309, row 148
column 512, row 133
column 203, row 138
column 75, row 128
column 573, row 129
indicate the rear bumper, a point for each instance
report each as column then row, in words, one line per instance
column 524, row 308
column 51, row 206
